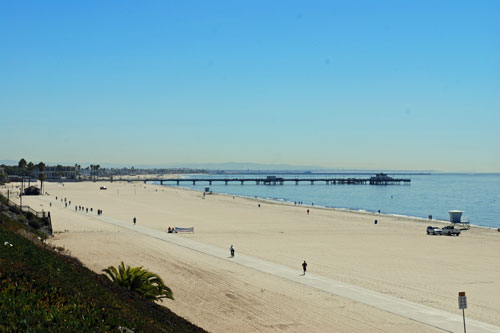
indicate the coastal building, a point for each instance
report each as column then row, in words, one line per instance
column 381, row 177
column 59, row 172
column 15, row 178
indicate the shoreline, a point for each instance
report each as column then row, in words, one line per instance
column 284, row 202
column 338, row 209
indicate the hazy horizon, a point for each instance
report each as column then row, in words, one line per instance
column 245, row 167
column 368, row 85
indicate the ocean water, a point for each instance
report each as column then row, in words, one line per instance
column 477, row 195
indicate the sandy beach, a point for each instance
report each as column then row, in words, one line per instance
column 394, row 257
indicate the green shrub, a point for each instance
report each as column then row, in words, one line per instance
column 4, row 200
column 34, row 223
column 14, row 209
column 43, row 291
column 139, row 280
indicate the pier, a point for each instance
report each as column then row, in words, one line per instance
column 379, row 179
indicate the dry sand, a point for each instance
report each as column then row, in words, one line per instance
column 394, row 257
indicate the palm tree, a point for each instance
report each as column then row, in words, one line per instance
column 140, row 281
column 41, row 174
column 41, row 177
column 22, row 165
column 30, row 167
column 77, row 170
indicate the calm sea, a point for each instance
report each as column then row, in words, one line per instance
column 477, row 195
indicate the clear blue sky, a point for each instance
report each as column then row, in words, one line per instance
column 352, row 84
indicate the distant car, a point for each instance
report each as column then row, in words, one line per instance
column 104, row 188
column 434, row 230
column 450, row 231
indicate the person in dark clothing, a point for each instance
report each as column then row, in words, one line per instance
column 135, row 220
column 304, row 267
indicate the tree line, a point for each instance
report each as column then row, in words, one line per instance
column 25, row 169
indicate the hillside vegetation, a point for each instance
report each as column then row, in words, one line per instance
column 42, row 290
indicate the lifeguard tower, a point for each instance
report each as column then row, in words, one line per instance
column 456, row 218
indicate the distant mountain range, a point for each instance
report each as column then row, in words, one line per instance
column 244, row 166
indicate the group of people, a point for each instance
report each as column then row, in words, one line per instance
column 78, row 208
column 81, row 208
column 171, row 230
column 86, row 209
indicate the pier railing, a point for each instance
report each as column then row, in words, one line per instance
column 28, row 209
column 277, row 180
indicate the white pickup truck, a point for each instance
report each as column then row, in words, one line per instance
column 450, row 231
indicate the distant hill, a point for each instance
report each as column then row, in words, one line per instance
column 231, row 166
column 8, row 162
column 246, row 166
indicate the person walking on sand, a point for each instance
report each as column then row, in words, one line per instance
column 231, row 249
column 135, row 220
column 304, row 267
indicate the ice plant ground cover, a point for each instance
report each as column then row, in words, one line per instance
column 44, row 290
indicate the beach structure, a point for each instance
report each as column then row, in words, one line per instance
column 32, row 190
column 382, row 179
column 58, row 172
column 271, row 180
column 379, row 179
column 456, row 218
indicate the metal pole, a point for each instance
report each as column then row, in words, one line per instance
column 463, row 314
column 21, row 193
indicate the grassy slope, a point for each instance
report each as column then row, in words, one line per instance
column 41, row 290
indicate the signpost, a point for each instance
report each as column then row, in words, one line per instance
column 462, row 304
